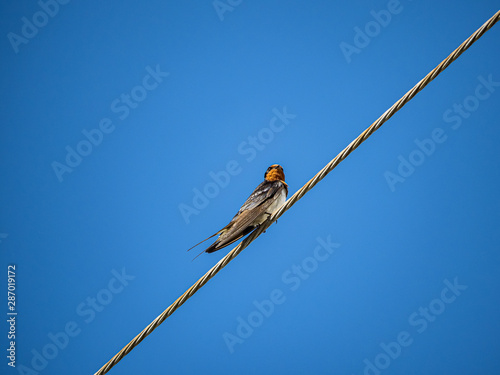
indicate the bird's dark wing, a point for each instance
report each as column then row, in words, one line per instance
column 265, row 190
column 241, row 224
column 256, row 204
column 239, row 227
column 260, row 194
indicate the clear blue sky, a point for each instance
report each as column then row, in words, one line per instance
column 132, row 131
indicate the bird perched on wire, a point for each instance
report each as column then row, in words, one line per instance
column 265, row 200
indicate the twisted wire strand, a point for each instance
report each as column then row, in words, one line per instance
column 301, row 192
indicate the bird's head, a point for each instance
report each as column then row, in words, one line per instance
column 275, row 173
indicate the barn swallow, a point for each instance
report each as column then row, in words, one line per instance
column 265, row 200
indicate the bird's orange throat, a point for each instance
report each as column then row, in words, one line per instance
column 275, row 175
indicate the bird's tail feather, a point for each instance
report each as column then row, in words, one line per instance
column 198, row 255
column 215, row 234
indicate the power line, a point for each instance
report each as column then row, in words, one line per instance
column 301, row 192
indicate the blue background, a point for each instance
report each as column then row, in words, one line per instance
column 119, row 208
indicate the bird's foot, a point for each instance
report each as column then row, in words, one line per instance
column 269, row 216
column 258, row 226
